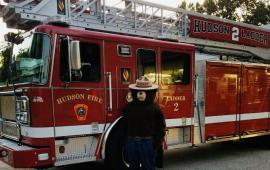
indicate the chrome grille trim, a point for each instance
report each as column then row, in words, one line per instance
column 7, row 93
column 11, row 130
column 1, row 126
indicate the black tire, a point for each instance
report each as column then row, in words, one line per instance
column 114, row 156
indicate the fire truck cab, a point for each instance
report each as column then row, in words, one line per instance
column 65, row 87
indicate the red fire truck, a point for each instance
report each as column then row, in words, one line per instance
column 63, row 85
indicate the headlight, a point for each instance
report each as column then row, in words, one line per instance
column 22, row 110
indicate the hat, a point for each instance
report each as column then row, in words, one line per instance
column 143, row 83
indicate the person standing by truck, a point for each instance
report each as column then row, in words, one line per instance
column 145, row 125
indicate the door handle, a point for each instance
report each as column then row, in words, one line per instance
column 109, row 75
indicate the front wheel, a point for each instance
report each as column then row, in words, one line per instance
column 115, row 149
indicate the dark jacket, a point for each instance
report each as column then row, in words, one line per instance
column 144, row 119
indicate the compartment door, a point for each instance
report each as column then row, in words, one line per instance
column 221, row 100
column 255, row 99
column 120, row 71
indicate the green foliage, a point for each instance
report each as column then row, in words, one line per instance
column 227, row 9
column 199, row 8
column 255, row 12
column 191, row 6
column 183, row 5
column 210, row 7
column 260, row 15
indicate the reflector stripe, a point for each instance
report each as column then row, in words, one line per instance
column 251, row 116
column 220, row 119
column 48, row 132
column 179, row 122
column 234, row 117
column 78, row 130
column 33, row 132
column 51, row 132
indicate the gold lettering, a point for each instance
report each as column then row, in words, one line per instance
column 64, row 99
column 70, row 98
column 174, row 99
column 81, row 96
column 73, row 97
column 90, row 97
column 96, row 99
column 59, row 101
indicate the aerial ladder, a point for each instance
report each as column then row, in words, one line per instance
column 132, row 17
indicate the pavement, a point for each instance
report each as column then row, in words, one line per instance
column 251, row 154
column 4, row 166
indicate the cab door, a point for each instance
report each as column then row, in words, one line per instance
column 79, row 95
column 176, row 94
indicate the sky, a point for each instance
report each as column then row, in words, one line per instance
column 173, row 3
column 170, row 3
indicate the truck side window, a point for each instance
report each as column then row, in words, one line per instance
column 175, row 68
column 90, row 60
column 146, row 64
column 64, row 66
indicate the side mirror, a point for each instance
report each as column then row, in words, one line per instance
column 15, row 38
column 75, row 55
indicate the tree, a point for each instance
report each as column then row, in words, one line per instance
column 210, row 7
column 227, row 9
column 191, row 7
column 183, row 5
column 255, row 12
column 199, row 8
column 259, row 15
column 247, row 6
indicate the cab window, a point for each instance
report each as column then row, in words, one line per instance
column 146, row 64
column 90, row 60
column 175, row 68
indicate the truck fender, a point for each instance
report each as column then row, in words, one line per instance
column 106, row 134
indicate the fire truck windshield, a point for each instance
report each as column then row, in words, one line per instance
column 30, row 60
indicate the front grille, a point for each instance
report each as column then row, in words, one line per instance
column 7, row 108
column 10, row 130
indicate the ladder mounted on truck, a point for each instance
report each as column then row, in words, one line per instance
column 139, row 18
